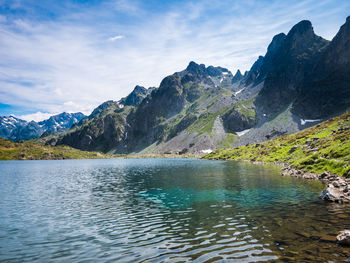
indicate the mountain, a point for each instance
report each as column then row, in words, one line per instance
column 135, row 97
column 329, row 80
column 286, row 62
column 302, row 80
column 237, row 77
column 9, row 124
column 61, row 122
column 184, row 100
column 16, row 129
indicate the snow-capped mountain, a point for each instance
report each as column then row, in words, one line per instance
column 8, row 124
column 15, row 129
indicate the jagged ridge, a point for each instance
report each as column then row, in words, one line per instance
column 204, row 108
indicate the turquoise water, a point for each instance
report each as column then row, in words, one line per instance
column 163, row 210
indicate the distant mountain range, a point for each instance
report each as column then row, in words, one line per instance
column 16, row 129
column 302, row 80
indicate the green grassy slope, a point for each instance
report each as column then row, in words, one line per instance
column 33, row 151
column 324, row 147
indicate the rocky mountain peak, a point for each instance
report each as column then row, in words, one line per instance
column 16, row 129
column 302, row 28
column 216, row 71
column 195, row 68
column 237, row 77
column 102, row 107
column 301, row 37
column 135, row 97
column 345, row 29
column 238, row 74
column 276, row 42
column 140, row 89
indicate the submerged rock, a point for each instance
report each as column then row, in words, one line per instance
column 344, row 238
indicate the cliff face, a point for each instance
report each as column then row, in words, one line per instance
column 287, row 62
column 302, row 77
column 326, row 90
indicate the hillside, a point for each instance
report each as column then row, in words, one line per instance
column 32, row 151
column 324, row 147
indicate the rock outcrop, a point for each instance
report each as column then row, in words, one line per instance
column 343, row 238
column 326, row 89
column 338, row 188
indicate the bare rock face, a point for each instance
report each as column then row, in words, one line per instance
column 344, row 238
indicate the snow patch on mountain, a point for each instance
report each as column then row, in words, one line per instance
column 303, row 122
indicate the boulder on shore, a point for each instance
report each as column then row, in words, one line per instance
column 338, row 188
column 344, row 238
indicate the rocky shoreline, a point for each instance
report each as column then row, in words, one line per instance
column 338, row 188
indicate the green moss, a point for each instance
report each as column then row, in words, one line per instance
column 325, row 147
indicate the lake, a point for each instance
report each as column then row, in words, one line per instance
column 163, row 210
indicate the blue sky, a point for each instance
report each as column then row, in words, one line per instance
column 72, row 55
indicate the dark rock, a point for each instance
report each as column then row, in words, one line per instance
column 254, row 71
column 101, row 108
column 240, row 118
column 135, row 97
column 215, row 71
column 183, row 151
column 337, row 189
column 326, row 89
column 328, row 195
column 237, row 77
column 292, row 149
column 285, row 68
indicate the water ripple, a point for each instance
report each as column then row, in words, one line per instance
column 162, row 211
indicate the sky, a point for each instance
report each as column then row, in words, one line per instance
column 72, row 55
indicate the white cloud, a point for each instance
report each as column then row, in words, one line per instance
column 68, row 65
column 38, row 116
column 115, row 38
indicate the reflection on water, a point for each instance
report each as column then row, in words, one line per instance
column 160, row 210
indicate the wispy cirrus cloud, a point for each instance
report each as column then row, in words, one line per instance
column 127, row 6
column 115, row 38
column 68, row 59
